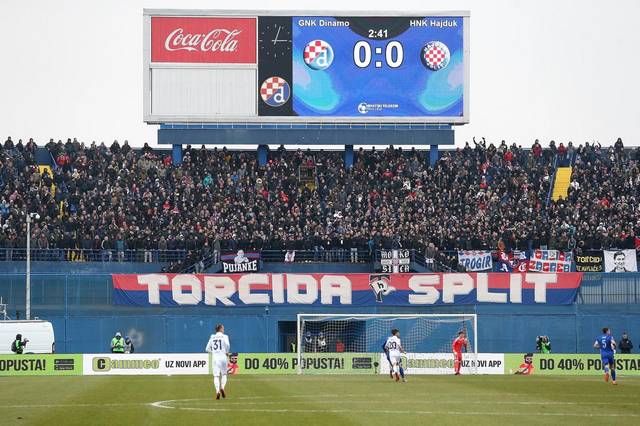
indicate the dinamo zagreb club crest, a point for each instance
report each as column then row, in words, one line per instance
column 275, row 91
column 318, row 55
column 435, row 55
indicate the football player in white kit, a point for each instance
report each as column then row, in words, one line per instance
column 219, row 348
column 394, row 347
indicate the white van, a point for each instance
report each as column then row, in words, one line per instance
column 39, row 333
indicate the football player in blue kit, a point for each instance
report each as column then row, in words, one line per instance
column 607, row 347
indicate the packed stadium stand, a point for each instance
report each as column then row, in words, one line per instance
column 116, row 203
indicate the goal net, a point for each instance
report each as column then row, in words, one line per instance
column 426, row 339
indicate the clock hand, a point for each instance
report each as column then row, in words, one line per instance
column 275, row 40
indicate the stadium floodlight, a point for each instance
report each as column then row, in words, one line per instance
column 426, row 338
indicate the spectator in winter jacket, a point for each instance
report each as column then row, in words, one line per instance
column 625, row 344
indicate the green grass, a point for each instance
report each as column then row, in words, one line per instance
column 311, row 400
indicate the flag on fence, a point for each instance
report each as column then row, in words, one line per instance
column 551, row 261
column 475, row 260
column 620, row 261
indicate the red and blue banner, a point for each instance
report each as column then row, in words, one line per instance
column 511, row 261
column 551, row 261
column 346, row 289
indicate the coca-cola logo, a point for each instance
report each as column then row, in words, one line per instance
column 212, row 40
column 216, row 40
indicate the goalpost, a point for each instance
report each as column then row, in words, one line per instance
column 426, row 338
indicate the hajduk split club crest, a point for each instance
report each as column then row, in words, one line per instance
column 435, row 55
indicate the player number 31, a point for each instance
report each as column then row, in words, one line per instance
column 393, row 54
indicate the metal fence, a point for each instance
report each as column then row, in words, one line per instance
column 615, row 289
column 343, row 255
column 89, row 255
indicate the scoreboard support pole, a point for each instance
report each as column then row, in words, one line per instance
column 176, row 156
column 263, row 153
column 348, row 156
column 434, row 154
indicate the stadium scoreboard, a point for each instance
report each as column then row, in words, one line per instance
column 214, row 66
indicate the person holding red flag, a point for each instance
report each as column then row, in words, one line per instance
column 458, row 343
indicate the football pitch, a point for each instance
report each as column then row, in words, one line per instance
column 315, row 400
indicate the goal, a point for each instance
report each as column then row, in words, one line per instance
column 426, row 338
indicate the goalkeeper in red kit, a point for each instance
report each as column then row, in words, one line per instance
column 457, row 345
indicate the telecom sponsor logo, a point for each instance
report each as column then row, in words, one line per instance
column 366, row 107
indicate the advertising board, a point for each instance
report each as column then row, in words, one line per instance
column 41, row 365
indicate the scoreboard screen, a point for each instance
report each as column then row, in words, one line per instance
column 230, row 67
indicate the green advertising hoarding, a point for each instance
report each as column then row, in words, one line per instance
column 40, row 365
column 573, row 364
column 316, row 363
column 329, row 363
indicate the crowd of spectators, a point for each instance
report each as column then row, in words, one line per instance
column 111, row 199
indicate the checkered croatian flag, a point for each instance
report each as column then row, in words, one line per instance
column 435, row 55
column 318, row 54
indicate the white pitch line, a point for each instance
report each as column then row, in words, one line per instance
column 208, row 401
column 246, row 400
column 160, row 404
column 308, row 396
column 114, row 404
column 242, row 407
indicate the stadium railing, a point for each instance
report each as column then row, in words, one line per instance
column 434, row 265
column 337, row 255
column 202, row 265
column 444, row 261
column 333, row 255
column 615, row 289
column 552, row 181
column 90, row 255
column 447, row 260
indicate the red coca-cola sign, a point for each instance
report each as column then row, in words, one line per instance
column 203, row 40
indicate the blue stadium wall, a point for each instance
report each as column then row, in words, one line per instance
column 84, row 318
